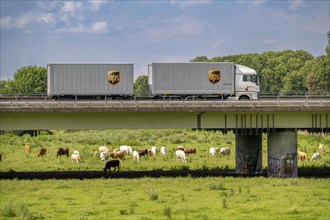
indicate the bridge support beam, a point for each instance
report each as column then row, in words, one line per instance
column 248, row 153
column 282, row 153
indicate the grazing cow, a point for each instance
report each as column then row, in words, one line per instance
column 127, row 149
column 62, row 151
column 181, row 155
column 190, row 151
column 180, row 148
column 75, row 157
column 112, row 163
column 136, row 156
column 76, row 152
column 143, row 151
column 104, row 156
column 302, row 156
column 42, row 152
column 153, row 151
column 225, row 151
column 213, row 151
column 322, row 148
column 118, row 155
column 316, row 156
column 163, row 150
column 27, row 149
column 103, row 149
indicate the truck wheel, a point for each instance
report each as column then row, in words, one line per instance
column 244, row 97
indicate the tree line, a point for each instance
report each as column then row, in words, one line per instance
column 280, row 72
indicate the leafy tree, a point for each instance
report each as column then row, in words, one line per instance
column 29, row 79
column 3, row 84
column 141, row 87
column 200, row 59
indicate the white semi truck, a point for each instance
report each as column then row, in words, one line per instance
column 166, row 80
column 203, row 79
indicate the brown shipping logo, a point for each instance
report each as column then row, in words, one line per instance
column 214, row 76
column 113, row 77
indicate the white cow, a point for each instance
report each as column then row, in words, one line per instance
column 225, row 151
column 76, row 152
column 127, row 149
column 153, row 151
column 213, row 151
column 104, row 156
column 75, row 157
column 103, row 149
column 316, row 156
column 181, row 155
column 322, row 148
column 163, row 150
column 136, row 156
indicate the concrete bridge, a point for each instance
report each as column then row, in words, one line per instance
column 280, row 119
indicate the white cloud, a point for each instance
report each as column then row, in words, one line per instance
column 6, row 22
column 296, row 4
column 95, row 28
column 99, row 27
column 72, row 6
column 27, row 20
column 95, row 5
column 162, row 29
column 48, row 18
column 189, row 3
column 218, row 42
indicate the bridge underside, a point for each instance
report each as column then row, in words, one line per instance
column 239, row 122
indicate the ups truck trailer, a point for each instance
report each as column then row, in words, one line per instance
column 90, row 80
column 203, row 79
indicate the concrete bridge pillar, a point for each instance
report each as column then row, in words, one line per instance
column 282, row 153
column 248, row 153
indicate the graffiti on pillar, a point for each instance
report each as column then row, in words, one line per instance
column 283, row 167
column 289, row 165
column 274, row 166
column 247, row 162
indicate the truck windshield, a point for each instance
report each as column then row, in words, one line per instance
column 250, row 78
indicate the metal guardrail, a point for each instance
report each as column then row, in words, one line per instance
column 49, row 103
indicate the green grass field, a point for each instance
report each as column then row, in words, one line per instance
column 88, row 142
column 155, row 198
column 166, row 198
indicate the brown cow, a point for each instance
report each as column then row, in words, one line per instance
column 302, row 156
column 62, row 151
column 42, row 152
column 27, row 149
column 143, row 152
column 190, row 151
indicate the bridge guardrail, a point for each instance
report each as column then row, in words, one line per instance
column 49, row 103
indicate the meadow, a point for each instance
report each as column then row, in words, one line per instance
column 155, row 198
column 88, row 142
column 166, row 198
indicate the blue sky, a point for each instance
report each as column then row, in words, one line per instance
column 141, row 32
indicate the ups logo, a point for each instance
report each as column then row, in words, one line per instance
column 214, row 76
column 113, row 77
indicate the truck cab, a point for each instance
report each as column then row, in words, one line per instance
column 247, row 83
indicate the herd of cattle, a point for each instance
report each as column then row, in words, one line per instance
column 303, row 156
column 124, row 151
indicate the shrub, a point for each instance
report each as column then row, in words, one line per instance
column 168, row 211
column 217, row 186
column 153, row 195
